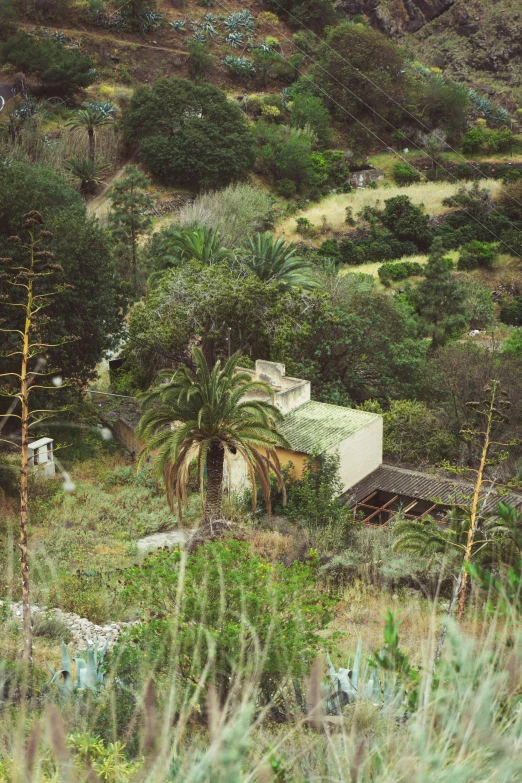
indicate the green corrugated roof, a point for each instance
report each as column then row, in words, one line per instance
column 317, row 426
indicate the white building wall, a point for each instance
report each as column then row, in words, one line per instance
column 360, row 454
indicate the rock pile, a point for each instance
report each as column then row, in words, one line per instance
column 83, row 632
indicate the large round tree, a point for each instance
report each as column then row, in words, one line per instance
column 205, row 415
column 189, row 135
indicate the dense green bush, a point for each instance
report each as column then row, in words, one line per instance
column 404, row 174
column 511, row 312
column 309, row 111
column 61, row 71
column 189, row 134
column 513, row 345
column 408, row 222
column 200, row 61
column 235, row 608
column 477, row 254
column 485, row 140
column 284, row 153
column 400, row 270
column 314, row 499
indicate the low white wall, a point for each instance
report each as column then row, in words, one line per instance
column 360, row 454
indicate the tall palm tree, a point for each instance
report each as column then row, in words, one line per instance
column 89, row 120
column 272, row 259
column 207, row 415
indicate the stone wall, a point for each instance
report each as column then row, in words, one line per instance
column 82, row 631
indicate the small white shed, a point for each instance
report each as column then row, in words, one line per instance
column 41, row 457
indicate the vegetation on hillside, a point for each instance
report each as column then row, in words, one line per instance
column 221, row 185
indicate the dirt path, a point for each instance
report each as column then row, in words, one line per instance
column 99, row 206
column 104, row 37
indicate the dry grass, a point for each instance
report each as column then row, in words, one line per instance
column 270, row 545
column 372, row 268
column 430, row 194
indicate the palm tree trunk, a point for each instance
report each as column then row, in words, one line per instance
column 92, row 143
column 214, row 495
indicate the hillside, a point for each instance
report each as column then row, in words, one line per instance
column 474, row 41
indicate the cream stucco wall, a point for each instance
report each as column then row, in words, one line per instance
column 360, row 454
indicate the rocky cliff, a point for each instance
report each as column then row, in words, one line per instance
column 478, row 42
column 396, row 17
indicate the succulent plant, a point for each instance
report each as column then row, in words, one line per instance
column 178, row 25
column 234, row 39
column 89, row 674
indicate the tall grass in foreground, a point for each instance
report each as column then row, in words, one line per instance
column 174, row 726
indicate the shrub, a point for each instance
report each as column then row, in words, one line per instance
column 270, row 113
column 309, row 111
column 286, row 188
column 304, row 226
column 404, row 174
column 477, row 254
column 200, row 61
column 81, row 595
column 513, row 345
column 61, row 71
column 231, row 599
column 284, row 153
column 238, row 211
column 349, row 252
column 403, row 422
column 510, row 198
column 511, row 312
column 314, row 498
column 398, row 270
column 48, row 625
column 406, row 221
column 304, row 41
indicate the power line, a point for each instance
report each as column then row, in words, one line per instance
column 381, row 141
column 378, row 87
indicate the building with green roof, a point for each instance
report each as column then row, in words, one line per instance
column 316, row 427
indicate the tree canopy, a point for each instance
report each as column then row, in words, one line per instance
column 189, row 135
column 88, row 309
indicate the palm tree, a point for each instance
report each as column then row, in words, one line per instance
column 201, row 244
column 207, row 415
column 272, row 259
column 90, row 119
column 88, row 173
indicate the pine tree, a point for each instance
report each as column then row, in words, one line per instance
column 128, row 218
column 439, row 299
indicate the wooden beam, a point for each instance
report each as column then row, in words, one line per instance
column 382, row 508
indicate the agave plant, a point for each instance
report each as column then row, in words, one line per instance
column 90, row 674
column 240, row 66
column 349, row 685
column 208, row 29
column 240, row 19
column 178, row 25
column 234, row 39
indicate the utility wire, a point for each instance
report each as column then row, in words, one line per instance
column 381, row 141
column 387, row 95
